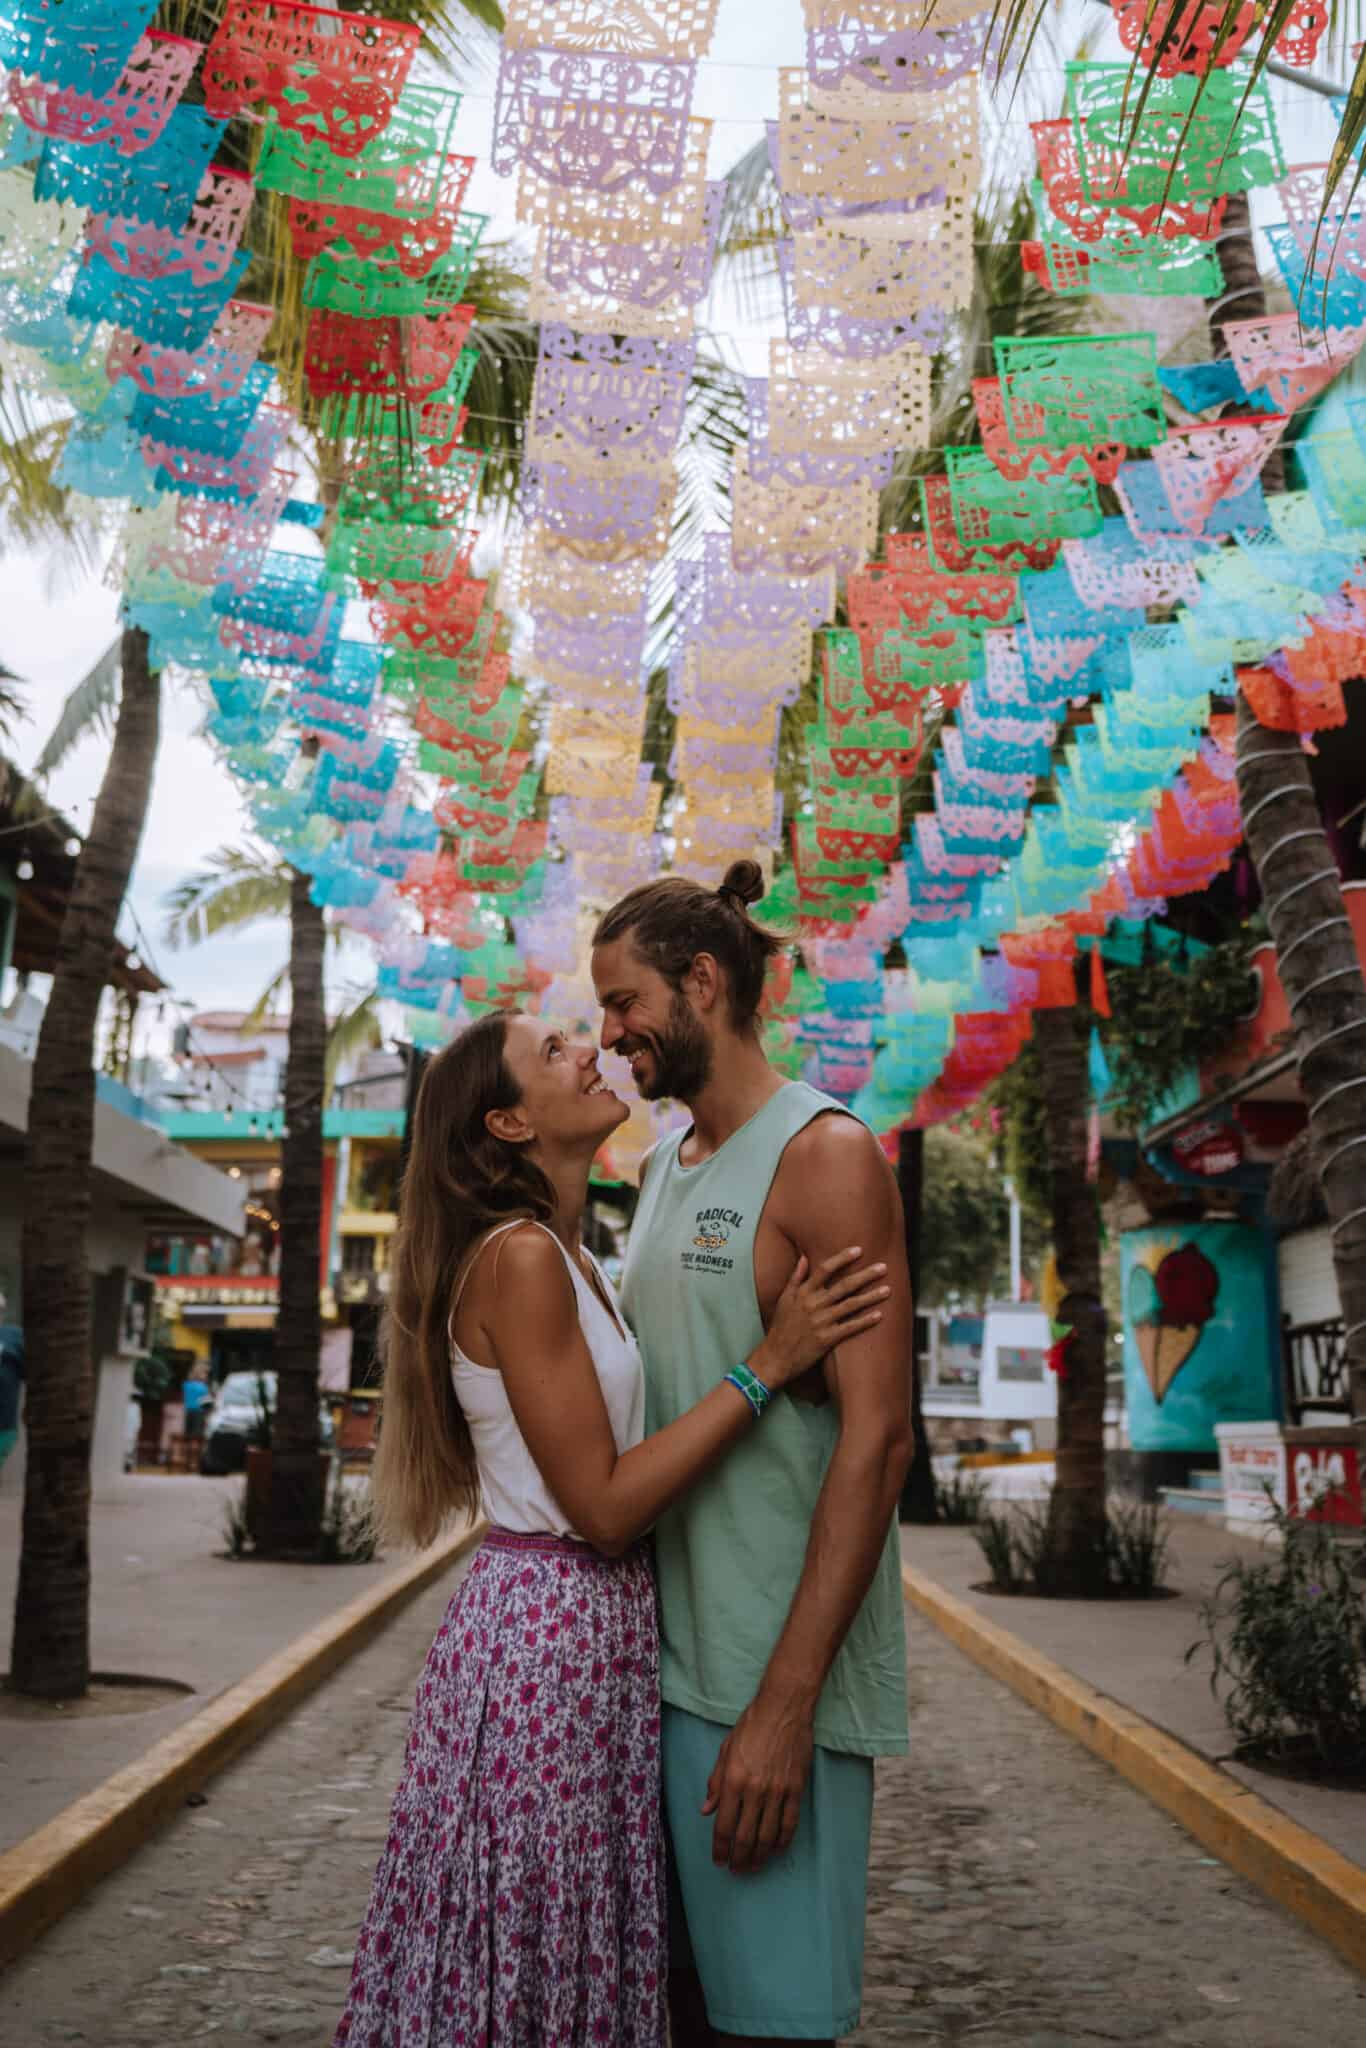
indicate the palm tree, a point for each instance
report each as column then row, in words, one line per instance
column 1076, row 1504
column 237, row 889
column 1316, row 951
column 50, row 1656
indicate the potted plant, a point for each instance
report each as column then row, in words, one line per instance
column 151, row 1383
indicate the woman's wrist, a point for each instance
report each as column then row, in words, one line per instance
column 755, row 1392
column 766, row 1365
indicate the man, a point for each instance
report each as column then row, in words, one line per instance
column 782, row 1649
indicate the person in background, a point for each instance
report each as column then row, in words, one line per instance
column 11, row 1382
column 197, row 1398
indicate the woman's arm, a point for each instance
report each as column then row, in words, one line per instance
column 612, row 1498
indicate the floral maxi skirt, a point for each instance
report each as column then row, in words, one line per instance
column 519, row 1900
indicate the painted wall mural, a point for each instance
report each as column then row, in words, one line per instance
column 1198, row 1329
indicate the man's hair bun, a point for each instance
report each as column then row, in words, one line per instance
column 744, row 879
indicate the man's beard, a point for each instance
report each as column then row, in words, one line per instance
column 681, row 1056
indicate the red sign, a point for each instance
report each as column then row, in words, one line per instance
column 1325, row 1482
column 1209, row 1149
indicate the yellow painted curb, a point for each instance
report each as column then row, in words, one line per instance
column 52, row 1869
column 977, row 1461
column 1291, row 1864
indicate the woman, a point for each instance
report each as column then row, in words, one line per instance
column 519, row 1901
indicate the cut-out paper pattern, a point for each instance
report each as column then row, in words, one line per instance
column 327, row 75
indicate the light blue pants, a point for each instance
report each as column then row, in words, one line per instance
column 780, row 1952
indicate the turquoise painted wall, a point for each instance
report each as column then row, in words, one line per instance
column 188, row 1124
column 1198, row 1333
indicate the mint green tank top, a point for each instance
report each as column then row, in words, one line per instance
column 729, row 1554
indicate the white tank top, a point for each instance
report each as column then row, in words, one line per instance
column 515, row 1495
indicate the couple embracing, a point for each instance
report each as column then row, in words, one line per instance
column 639, row 1779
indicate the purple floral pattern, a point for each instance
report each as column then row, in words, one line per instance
column 519, row 1900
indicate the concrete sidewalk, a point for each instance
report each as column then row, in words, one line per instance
column 163, row 1605
column 1133, row 1652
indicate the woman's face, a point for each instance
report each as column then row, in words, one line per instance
column 565, row 1100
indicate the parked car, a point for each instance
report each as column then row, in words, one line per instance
column 235, row 1418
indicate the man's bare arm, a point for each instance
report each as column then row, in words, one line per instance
column 834, row 1184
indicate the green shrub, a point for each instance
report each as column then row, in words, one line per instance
column 348, row 1534
column 995, row 1534
column 1287, row 1639
column 1137, row 1541
column 961, row 1497
column 1131, row 1558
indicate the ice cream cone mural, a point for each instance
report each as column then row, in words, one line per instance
column 1172, row 1292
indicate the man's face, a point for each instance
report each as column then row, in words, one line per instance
column 650, row 1023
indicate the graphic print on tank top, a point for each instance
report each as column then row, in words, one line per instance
column 711, row 1250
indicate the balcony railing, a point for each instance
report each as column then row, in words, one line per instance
column 1315, row 1358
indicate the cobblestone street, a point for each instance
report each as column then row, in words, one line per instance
column 1021, row 1894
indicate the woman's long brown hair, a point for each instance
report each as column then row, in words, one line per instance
column 459, row 1180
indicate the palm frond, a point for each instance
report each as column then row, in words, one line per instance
column 270, row 995
column 354, row 1031
column 237, row 887
column 89, row 707
column 13, row 707
column 499, row 398
column 35, row 511
column 751, row 228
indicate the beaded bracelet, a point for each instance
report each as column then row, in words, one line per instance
column 751, row 1386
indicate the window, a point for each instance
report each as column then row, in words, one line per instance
column 1018, row 1362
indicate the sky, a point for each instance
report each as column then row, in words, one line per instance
column 55, row 623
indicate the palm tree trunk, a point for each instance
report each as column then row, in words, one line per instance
column 50, row 1657
column 295, row 1483
column 918, row 1499
column 1076, row 1513
column 1316, row 951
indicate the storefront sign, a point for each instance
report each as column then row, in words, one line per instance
column 209, row 1291
column 1209, row 1149
column 1325, row 1480
column 1252, row 1468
